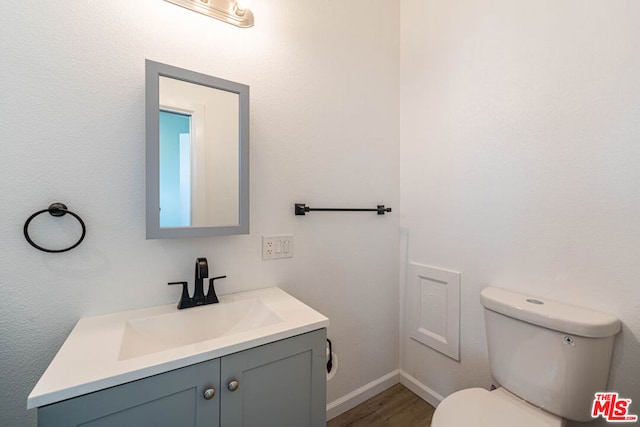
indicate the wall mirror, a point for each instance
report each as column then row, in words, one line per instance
column 197, row 166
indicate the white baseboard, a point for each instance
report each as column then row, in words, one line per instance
column 424, row 392
column 367, row 391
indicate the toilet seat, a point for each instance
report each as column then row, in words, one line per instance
column 499, row 408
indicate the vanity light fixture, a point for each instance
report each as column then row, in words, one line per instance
column 234, row 12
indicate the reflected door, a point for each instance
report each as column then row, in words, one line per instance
column 175, row 169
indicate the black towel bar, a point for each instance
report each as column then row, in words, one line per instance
column 302, row 209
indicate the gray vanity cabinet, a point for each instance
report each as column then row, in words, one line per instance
column 166, row 400
column 280, row 384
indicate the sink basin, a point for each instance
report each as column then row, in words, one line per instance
column 152, row 334
column 111, row 349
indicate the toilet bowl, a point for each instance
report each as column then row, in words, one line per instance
column 498, row 408
column 547, row 358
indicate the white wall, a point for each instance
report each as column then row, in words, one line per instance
column 520, row 130
column 324, row 128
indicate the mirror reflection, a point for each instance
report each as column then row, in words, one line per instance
column 199, row 176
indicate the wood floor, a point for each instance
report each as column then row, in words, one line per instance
column 394, row 407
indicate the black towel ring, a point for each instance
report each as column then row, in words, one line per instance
column 55, row 209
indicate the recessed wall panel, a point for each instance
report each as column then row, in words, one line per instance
column 434, row 300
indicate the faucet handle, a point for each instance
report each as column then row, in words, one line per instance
column 212, row 298
column 202, row 268
column 185, row 300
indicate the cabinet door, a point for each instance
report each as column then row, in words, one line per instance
column 281, row 384
column 172, row 399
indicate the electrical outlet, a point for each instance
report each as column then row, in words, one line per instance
column 276, row 247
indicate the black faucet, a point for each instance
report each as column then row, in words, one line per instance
column 201, row 273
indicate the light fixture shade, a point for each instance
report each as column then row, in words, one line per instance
column 244, row 4
column 229, row 11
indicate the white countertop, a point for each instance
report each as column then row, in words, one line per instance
column 89, row 360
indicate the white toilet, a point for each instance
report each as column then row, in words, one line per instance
column 547, row 358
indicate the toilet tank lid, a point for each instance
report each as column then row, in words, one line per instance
column 550, row 314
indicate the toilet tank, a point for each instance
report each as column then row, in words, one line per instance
column 553, row 355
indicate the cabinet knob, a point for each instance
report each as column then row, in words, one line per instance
column 209, row 393
column 233, row 385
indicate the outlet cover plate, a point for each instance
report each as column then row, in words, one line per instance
column 277, row 247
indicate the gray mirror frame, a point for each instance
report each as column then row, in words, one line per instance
column 153, row 72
